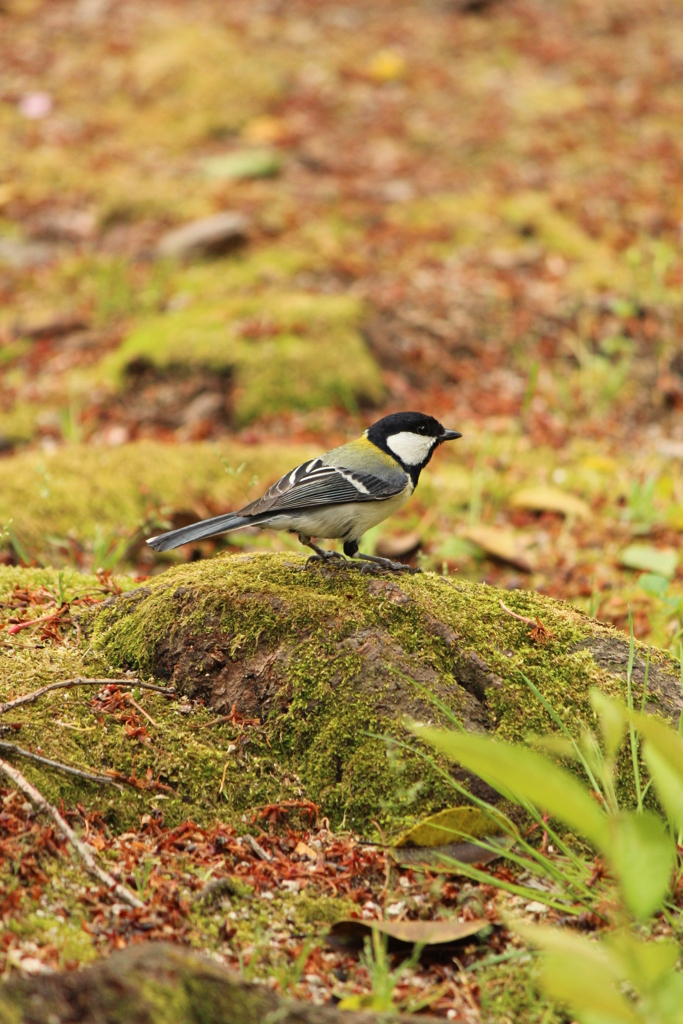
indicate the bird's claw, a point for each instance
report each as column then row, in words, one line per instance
column 323, row 556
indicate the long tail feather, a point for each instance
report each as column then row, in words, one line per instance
column 198, row 531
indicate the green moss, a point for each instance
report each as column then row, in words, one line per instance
column 20, row 422
column 342, row 649
column 99, row 496
column 311, row 356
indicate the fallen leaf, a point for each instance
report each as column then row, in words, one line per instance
column 660, row 561
column 550, row 499
column 387, row 66
column 446, row 858
column 302, row 850
column 448, row 826
column 398, row 545
column 502, row 544
column 252, row 163
column 351, row 934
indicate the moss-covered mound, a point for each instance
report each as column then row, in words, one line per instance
column 155, row 983
column 331, row 660
column 281, row 350
column 294, row 682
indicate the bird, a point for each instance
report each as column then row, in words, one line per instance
column 339, row 495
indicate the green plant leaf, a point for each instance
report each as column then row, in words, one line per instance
column 249, row 163
column 524, row 776
column 646, row 964
column 581, row 973
column 653, row 584
column 558, row 746
column 667, row 1000
column 613, row 717
column 642, row 856
column 663, row 754
column 659, row 561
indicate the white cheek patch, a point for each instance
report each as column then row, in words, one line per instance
column 412, row 449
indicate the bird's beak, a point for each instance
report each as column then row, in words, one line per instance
column 450, row 435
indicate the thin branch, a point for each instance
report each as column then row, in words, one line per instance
column 258, row 850
column 12, row 748
column 522, row 618
column 67, row 684
column 131, row 700
column 83, row 851
column 538, row 632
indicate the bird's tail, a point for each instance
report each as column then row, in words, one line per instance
column 197, row 531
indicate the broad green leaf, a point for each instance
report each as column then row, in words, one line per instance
column 667, row 781
column 642, row 856
column 581, row 973
column 613, row 717
column 663, row 753
column 660, row 561
column 653, row 584
column 449, row 826
column 524, row 776
column 645, row 964
column 554, row 744
column 250, row 163
column 667, row 1000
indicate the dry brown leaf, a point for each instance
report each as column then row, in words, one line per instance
column 501, row 543
column 550, row 499
column 398, row 545
column 302, row 850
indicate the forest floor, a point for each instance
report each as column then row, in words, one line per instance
column 471, row 209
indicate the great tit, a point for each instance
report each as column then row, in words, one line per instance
column 341, row 494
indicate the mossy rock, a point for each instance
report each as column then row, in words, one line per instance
column 155, row 983
column 330, row 662
column 282, row 350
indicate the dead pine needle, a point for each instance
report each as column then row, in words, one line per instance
column 81, row 849
column 539, row 632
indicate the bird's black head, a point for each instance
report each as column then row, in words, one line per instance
column 411, row 438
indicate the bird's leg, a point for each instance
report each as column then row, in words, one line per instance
column 351, row 551
column 320, row 554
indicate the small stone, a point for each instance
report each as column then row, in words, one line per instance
column 23, row 255
column 210, row 236
column 536, row 908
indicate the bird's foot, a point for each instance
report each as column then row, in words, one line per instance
column 324, row 556
column 374, row 563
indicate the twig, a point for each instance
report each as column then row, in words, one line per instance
column 12, row 748
column 83, row 851
column 131, row 700
column 538, row 632
column 258, row 850
column 67, row 684
column 522, row 618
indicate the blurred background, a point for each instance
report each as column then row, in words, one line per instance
column 234, row 233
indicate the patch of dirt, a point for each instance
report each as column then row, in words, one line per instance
column 194, row 405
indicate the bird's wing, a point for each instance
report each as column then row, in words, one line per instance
column 315, row 483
